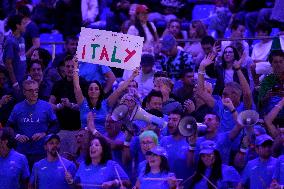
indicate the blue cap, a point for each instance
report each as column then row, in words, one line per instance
column 168, row 42
column 158, row 150
column 207, row 147
column 259, row 130
column 262, row 138
column 51, row 136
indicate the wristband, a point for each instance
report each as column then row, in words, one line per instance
column 95, row 132
column 16, row 84
column 278, row 106
column 116, row 182
column 201, row 72
column 243, row 150
column 126, row 144
column 192, row 147
column 70, row 182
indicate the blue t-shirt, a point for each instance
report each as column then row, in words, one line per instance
column 14, row 168
column 142, row 167
column 230, row 178
column 224, row 145
column 100, row 117
column 14, row 49
column 51, row 175
column 177, row 156
column 258, row 174
column 30, row 119
column 279, row 170
column 98, row 174
column 117, row 154
column 91, row 72
column 154, row 184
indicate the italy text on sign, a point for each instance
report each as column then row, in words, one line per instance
column 109, row 48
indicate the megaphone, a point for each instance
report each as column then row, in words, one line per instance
column 119, row 113
column 188, row 126
column 140, row 114
column 248, row 118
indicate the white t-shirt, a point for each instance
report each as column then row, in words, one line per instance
column 261, row 50
column 229, row 76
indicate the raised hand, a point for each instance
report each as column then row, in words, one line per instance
column 5, row 99
column 228, row 103
column 238, row 63
column 207, row 60
column 90, row 122
column 75, row 60
column 135, row 72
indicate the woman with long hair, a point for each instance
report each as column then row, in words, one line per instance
column 143, row 28
column 225, row 73
column 156, row 174
column 98, row 170
column 210, row 172
column 197, row 30
column 94, row 100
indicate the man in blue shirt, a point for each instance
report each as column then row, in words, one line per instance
column 176, row 147
column 14, row 172
column 223, row 140
column 32, row 120
column 52, row 172
column 14, row 55
column 258, row 172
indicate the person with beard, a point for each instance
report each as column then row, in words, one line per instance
column 258, row 173
column 32, row 119
column 16, row 167
column 53, row 171
column 98, row 170
column 176, row 147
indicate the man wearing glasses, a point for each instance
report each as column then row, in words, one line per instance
column 32, row 119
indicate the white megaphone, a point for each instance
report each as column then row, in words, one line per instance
column 248, row 118
column 140, row 114
column 188, row 126
column 119, row 113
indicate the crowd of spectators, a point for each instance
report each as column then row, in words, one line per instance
column 71, row 124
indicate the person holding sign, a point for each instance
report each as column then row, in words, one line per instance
column 54, row 171
column 94, row 101
column 156, row 175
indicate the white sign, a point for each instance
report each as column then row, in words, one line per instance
column 110, row 48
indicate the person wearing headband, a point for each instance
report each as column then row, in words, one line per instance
column 156, row 174
column 54, row 171
column 210, row 172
